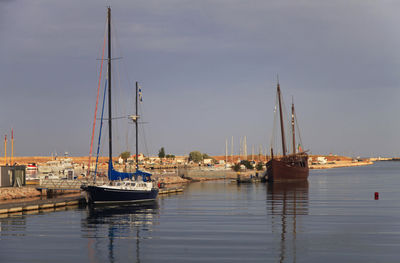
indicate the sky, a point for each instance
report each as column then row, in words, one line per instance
column 208, row 71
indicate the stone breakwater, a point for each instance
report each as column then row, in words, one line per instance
column 9, row 193
column 340, row 164
column 170, row 179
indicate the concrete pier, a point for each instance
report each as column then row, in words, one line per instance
column 38, row 204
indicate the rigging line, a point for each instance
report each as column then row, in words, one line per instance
column 285, row 122
column 101, row 126
column 115, row 118
column 141, row 111
column 121, row 104
column 120, row 68
column 115, row 103
column 273, row 139
column 97, row 99
column 298, row 130
column 145, row 141
column 118, row 46
column 124, row 106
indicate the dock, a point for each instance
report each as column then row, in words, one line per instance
column 40, row 204
column 170, row 190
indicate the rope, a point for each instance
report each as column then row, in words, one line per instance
column 143, row 131
column 298, row 130
column 273, row 139
column 97, row 100
column 101, row 126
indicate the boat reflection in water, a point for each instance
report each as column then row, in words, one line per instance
column 123, row 226
column 287, row 203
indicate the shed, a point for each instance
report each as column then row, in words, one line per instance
column 12, row 175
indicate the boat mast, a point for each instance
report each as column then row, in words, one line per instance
column 109, row 88
column 281, row 118
column 137, row 130
column 293, row 131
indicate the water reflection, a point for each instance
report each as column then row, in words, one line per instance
column 130, row 223
column 12, row 225
column 287, row 203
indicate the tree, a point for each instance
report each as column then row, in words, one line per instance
column 247, row 164
column 161, row 153
column 259, row 166
column 195, row 156
column 206, row 156
column 125, row 155
column 236, row 167
column 170, row 156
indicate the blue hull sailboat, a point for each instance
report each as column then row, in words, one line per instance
column 123, row 187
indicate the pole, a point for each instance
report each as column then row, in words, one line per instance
column 232, row 150
column 109, row 92
column 137, row 130
column 240, row 147
column 245, row 147
column 5, row 149
column 226, row 150
column 12, row 146
column 281, row 118
column 293, row 131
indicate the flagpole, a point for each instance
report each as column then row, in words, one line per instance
column 12, row 145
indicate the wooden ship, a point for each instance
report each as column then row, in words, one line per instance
column 289, row 166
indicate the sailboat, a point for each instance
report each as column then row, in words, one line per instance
column 288, row 167
column 123, row 187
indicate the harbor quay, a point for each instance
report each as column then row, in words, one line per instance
column 38, row 204
column 45, row 193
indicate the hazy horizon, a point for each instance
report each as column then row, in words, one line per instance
column 208, row 72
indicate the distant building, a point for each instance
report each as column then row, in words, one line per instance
column 321, row 160
column 207, row 161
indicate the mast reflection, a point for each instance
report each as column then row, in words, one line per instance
column 118, row 222
column 287, row 203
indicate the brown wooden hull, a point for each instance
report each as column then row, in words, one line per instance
column 282, row 170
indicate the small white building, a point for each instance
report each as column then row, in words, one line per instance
column 207, row 161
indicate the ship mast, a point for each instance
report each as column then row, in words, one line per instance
column 281, row 118
column 293, row 131
column 137, row 130
column 109, row 89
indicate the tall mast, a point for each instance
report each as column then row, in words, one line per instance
column 226, row 150
column 281, row 118
column 293, row 131
column 109, row 87
column 136, row 125
column 12, row 145
column 245, row 147
column 5, row 149
column 232, row 150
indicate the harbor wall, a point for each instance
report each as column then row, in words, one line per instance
column 200, row 174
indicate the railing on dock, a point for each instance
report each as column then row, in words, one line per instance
column 62, row 184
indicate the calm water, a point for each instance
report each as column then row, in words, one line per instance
column 332, row 218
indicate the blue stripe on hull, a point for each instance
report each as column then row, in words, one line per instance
column 105, row 195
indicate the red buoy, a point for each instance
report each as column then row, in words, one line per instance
column 376, row 196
